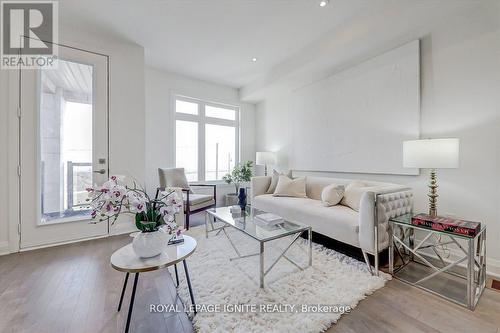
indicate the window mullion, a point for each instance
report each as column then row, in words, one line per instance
column 201, row 142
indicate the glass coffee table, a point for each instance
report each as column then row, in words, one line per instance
column 246, row 223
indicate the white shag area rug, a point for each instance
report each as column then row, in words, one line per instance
column 335, row 282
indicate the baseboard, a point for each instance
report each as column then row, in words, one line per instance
column 4, row 248
column 31, row 248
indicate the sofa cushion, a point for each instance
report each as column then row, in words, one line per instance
column 338, row 222
column 197, row 201
column 332, row 194
column 288, row 187
column 274, row 180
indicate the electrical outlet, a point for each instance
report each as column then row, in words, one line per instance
column 495, row 284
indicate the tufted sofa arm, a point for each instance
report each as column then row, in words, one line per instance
column 390, row 202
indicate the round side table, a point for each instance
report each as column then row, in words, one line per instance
column 125, row 260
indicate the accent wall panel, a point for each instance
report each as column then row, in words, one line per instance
column 356, row 120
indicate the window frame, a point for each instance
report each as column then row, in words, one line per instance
column 201, row 119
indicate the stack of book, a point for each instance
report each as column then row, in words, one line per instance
column 448, row 224
column 268, row 219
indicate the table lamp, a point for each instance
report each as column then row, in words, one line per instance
column 265, row 158
column 431, row 154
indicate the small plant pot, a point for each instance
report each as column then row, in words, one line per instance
column 150, row 244
column 231, row 199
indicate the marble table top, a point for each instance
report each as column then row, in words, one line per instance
column 125, row 259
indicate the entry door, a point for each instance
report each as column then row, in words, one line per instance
column 63, row 147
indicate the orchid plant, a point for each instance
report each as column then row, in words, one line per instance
column 113, row 198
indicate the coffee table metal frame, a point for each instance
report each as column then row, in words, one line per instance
column 212, row 216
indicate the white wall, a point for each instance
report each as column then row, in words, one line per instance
column 161, row 86
column 460, row 72
column 4, row 144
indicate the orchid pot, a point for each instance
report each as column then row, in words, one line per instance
column 150, row 244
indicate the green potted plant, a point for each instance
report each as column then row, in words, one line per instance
column 240, row 173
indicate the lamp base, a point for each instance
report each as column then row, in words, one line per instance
column 433, row 193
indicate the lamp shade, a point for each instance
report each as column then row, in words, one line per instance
column 265, row 158
column 431, row 153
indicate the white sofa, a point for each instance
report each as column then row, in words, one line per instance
column 366, row 229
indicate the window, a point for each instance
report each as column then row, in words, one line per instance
column 206, row 138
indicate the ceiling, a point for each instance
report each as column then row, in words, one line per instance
column 73, row 79
column 215, row 40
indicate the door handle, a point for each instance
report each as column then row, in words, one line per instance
column 102, row 171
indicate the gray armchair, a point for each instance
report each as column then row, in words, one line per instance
column 193, row 202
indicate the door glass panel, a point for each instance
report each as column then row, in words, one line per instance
column 220, row 152
column 186, row 148
column 65, row 118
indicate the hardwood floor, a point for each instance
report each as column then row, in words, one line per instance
column 72, row 288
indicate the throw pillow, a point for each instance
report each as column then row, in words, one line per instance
column 288, row 187
column 332, row 195
column 173, row 177
column 274, row 180
column 354, row 191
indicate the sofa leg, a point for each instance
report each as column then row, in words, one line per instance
column 376, row 241
column 367, row 261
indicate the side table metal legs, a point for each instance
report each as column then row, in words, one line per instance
column 473, row 255
column 176, row 276
column 132, row 299
column 189, row 285
column 123, row 292
column 134, row 289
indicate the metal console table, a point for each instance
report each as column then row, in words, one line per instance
column 423, row 264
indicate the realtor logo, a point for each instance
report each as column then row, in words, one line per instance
column 28, row 34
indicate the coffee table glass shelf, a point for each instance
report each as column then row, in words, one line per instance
column 450, row 265
column 246, row 223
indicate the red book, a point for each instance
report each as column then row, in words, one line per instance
column 449, row 224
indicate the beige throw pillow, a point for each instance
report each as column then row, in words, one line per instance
column 332, row 194
column 353, row 193
column 274, row 180
column 287, row 187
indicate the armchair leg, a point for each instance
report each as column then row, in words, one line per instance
column 186, row 223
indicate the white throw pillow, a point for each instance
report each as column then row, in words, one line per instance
column 332, row 194
column 354, row 191
column 288, row 187
column 274, row 180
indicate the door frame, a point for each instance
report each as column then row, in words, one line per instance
column 14, row 154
